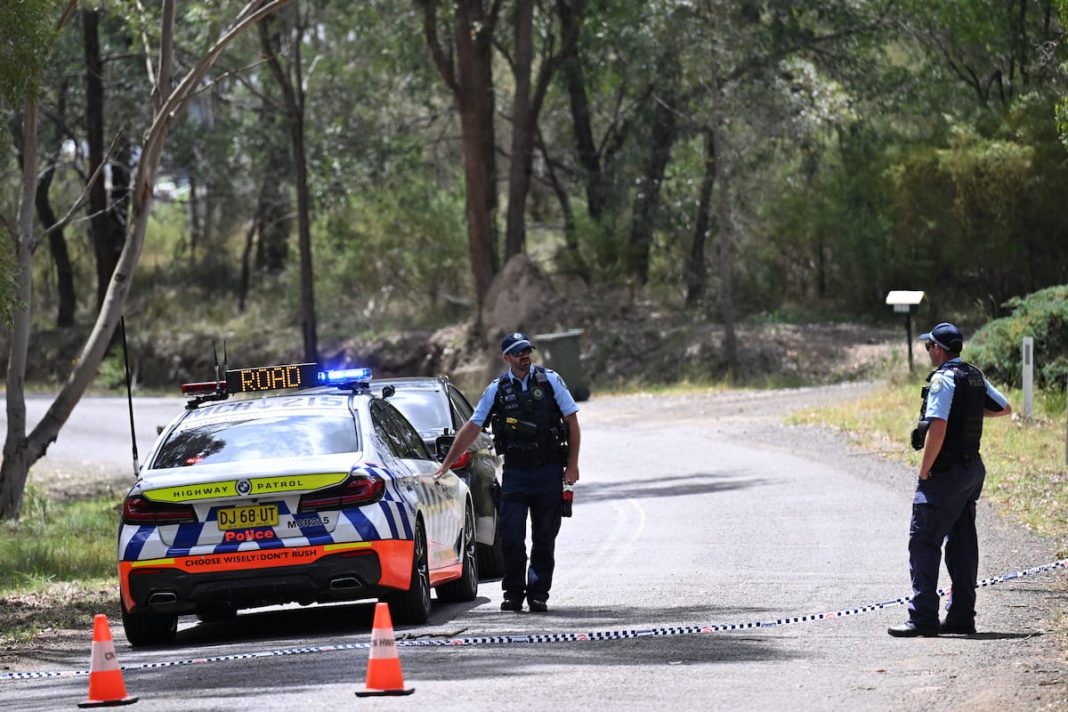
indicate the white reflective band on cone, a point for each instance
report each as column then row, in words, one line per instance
column 103, row 657
column 383, row 644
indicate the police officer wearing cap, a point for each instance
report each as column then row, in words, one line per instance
column 536, row 429
column 955, row 402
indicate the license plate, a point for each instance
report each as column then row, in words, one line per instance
column 262, row 515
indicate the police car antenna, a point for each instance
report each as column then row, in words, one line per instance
column 129, row 393
column 215, row 353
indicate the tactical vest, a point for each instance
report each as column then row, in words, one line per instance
column 964, row 428
column 528, row 427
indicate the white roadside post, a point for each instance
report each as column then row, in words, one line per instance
column 904, row 302
column 1027, row 354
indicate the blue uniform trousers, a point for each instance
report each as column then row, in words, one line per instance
column 943, row 509
column 535, row 491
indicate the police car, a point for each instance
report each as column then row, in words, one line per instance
column 438, row 409
column 290, row 484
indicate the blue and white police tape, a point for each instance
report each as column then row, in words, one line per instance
column 543, row 637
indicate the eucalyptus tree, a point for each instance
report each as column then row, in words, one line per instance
column 289, row 75
column 35, row 25
column 460, row 37
column 532, row 80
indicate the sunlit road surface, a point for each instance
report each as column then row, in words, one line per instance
column 691, row 511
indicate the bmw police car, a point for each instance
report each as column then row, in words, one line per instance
column 306, row 489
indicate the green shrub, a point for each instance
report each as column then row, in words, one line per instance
column 1042, row 315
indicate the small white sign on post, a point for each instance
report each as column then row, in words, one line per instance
column 1028, row 350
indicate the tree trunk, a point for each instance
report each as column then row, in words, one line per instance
column 696, row 270
column 523, row 122
column 57, row 241
column 57, row 244
column 293, row 97
column 470, row 77
column 574, row 262
column 17, row 454
column 582, row 124
column 474, row 45
column 194, row 220
column 658, row 153
column 105, row 249
column 726, row 223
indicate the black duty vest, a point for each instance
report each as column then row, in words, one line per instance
column 528, row 427
column 964, row 428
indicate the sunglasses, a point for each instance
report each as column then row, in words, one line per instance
column 929, row 345
column 523, row 352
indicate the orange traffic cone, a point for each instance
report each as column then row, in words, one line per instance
column 384, row 675
column 106, row 688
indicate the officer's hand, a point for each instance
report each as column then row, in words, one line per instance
column 440, row 472
column 924, row 475
column 571, row 474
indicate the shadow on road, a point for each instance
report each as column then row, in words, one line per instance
column 991, row 635
column 679, row 486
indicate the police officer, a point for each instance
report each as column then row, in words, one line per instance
column 955, row 402
column 536, row 429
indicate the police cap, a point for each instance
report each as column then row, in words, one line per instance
column 516, row 341
column 947, row 336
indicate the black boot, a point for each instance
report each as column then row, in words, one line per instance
column 909, row 629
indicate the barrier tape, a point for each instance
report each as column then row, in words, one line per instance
column 538, row 638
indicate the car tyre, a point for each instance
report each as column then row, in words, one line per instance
column 464, row 588
column 413, row 606
column 491, row 556
column 149, row 628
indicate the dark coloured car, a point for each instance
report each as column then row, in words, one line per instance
column 437, row 409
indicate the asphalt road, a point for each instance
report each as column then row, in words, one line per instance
column 691, row 510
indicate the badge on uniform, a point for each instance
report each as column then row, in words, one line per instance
column 936, row 384
column 537, row 393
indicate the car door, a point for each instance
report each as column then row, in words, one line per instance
column 439, row 498
column 485, row 470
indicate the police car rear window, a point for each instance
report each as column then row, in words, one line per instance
column 242, row 440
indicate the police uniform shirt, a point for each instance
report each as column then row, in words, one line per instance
column 940, row 394
column 564, row 401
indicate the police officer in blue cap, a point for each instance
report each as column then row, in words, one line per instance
column 955, row 402
column 536, row 429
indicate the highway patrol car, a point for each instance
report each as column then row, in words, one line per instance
column 308, row 488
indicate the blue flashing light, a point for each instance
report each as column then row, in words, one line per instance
column 344, row 376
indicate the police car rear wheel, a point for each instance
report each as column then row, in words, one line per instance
column 149, row 628
column 413, row 605
column 464, row 588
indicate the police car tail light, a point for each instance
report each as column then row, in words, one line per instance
column 463, row 461
column 138, row 510
column 358, row 489
column 196, row 389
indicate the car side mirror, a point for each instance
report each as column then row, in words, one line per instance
column 442, row 445
column 388, row 391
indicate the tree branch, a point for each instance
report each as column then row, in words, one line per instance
column 166, row 55
column 442, row 60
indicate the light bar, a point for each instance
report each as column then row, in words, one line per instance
column 345, row 375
